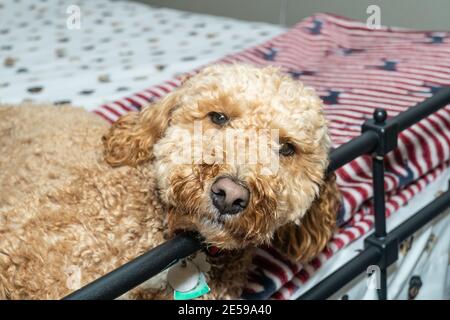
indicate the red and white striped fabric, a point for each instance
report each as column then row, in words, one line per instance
column 354, row 70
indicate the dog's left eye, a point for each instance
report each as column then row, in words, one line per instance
column 287, row 149
column 218, row 118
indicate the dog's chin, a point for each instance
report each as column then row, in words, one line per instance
column 211, row 230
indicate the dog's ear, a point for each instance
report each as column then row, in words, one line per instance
column 130, row 139
column 303, row 241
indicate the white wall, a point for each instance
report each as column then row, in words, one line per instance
column 419, row 14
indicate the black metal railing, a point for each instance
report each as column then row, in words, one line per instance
column 379, row 137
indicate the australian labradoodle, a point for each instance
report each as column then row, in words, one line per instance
column 79, row 198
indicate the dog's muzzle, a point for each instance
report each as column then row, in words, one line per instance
column 229, row 196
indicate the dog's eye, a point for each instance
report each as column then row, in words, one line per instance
column 287, row 149
column 218, row 118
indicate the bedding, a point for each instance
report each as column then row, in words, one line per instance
column 423, row 256
column 354, row 70
column 121, row 47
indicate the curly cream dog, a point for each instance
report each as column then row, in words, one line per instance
column 79, row 198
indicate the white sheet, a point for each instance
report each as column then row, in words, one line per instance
column 122, row 47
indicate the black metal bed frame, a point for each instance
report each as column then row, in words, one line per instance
column 379, row 136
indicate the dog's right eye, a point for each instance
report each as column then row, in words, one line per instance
column 287, row 149
column 218, row 118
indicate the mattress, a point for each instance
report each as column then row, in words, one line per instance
column 146, row 50
column 121, row 47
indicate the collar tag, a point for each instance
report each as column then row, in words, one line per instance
column 201, row 289
column 187, row 277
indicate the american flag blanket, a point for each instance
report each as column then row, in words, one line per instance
column 354, row 69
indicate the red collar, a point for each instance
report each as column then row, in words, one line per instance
column 213, row 251
column 210, row 250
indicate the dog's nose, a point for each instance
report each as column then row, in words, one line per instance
column 228, row 196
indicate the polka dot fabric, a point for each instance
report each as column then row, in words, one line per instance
column 122, row 47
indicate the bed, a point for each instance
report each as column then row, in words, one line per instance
column 354, row 70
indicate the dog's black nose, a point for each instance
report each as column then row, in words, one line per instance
column 228, row 196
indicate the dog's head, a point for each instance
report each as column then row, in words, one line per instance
column 240, row 155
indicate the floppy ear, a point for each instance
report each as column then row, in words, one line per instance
column 130, row 139
column 305, row 241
